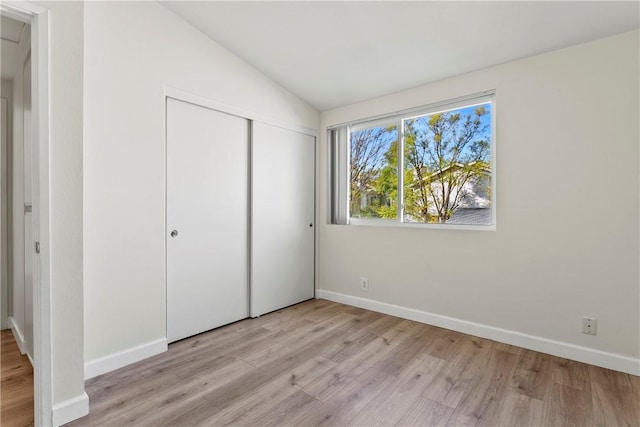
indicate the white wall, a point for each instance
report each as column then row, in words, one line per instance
column 5, row 150
column 65, row 207
column 566, row 244
column 20, row 306
column 133, row 50
column 60, row 164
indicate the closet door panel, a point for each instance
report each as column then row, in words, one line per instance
column 283, row 208
column 207, row 219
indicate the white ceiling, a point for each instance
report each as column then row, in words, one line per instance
column 10, row 33
column 337, row 53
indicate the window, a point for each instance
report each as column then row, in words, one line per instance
column 428, row 166
column 373, row 170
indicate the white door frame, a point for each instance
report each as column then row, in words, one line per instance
column 38, row 18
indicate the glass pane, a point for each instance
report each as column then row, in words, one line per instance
column 374, row 172
column 447, row 167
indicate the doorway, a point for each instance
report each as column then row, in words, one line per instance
column 25, row 296
column 16, row 210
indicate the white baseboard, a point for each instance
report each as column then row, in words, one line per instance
column 70, row 409
column 123, row 358
column 591, row 356
column 18, row 335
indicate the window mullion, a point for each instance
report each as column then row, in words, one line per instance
column 347, row 172
column 400, row 170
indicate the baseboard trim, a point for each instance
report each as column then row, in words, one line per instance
column 123, row 358
column 18, row 335
column 70, row 409
column 591, row 356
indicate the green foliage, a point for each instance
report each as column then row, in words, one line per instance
column 370, row 166
column 386, row 184
column 443, row 152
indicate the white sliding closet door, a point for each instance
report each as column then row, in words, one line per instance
column 282, row 234
column 207, row 219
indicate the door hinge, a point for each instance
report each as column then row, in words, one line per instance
column 37, row 247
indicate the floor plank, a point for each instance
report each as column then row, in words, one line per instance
column 349, row 370
column 426, row 412
column 345, row 404
column 451, row 383
column 609, row 377
column 533, row 374
column 520, row 410
column 635, row 383
column 613, row 406
column 568, row 406
column 321, row 363
column 16, row 384
column 488, row 389
column 388, row 408
column 571, row 374
column 261, row 401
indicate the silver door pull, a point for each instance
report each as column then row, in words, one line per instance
column 174, row 233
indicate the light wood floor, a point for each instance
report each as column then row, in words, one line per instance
column 322, row 363
column 16, row 384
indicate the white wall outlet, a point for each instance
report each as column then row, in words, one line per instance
column 364, row 284
column 589, row 325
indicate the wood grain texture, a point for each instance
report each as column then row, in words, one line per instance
column 323, row 363
column 16, row 384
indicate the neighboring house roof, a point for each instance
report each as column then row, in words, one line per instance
column 456, row 166
column 471, row 216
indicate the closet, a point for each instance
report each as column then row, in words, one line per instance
column 239, row 218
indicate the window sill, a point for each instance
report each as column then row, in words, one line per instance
column 395, row 223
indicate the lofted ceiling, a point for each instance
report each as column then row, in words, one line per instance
column 336, row 53
column 10, row 33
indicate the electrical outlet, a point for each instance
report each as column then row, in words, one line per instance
column 589, row 325
column 364, row 284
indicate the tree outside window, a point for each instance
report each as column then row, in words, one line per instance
column 446, row 168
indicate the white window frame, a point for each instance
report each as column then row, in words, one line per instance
column 399, row 118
